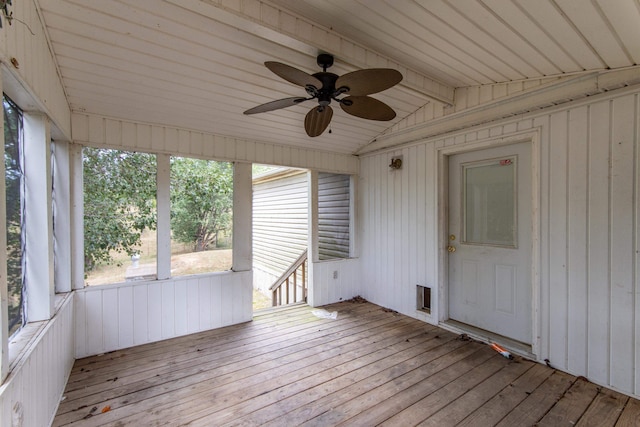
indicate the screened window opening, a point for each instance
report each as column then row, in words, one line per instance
column 119, row 216
column 201, row 216
column 14, row 183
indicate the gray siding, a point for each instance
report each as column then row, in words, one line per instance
column 333, row 215
column 280, row 221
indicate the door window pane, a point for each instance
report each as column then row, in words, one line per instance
column 489, row 207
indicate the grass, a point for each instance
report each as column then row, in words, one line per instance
column 183, row 262
column 260, row 300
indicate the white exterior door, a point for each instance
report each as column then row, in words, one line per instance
column 490, row 240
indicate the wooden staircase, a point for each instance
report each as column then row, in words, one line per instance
column 285, row 290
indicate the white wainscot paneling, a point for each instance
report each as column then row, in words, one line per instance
column 118, row 316
column 31, row 393
column 587, row 284
column 334, row 281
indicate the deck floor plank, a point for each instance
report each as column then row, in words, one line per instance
column 574, row 403
column 313, row 402
column 511, row 396
column 431, row 404
column 370, row 366
column 282, row 400
column 631, row 415
column 299, row 378
column 605, row 409
column 255, row 369
column 458, row 409
column 174, row 367
column 394, row 396
column 538, row 403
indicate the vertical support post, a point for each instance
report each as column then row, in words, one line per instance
column 38, row 220
column 77, row 217
column 242, row 216
column 312, row 248
column 353, row 214
column 62, row 216
column 163, row 182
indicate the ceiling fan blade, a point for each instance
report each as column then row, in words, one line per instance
column 317, row 120
column 275, row 105
column 366, row 82
column 293, row 75
column 367, row 108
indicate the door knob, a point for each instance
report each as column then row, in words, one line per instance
column 451, row 249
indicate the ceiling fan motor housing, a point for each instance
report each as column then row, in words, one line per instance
column 327, row 91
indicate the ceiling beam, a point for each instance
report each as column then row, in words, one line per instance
column 285, row 28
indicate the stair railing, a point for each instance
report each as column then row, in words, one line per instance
column 285, row 289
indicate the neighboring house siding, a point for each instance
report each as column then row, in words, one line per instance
column 280, row 224
column 588, row 321
column 333, row 215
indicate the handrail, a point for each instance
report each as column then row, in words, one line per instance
column 292, row 272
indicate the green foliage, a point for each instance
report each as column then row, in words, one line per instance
column 13, row 187
column 119, row 202
column 201, row 201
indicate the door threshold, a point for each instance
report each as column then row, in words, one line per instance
column 488, row 337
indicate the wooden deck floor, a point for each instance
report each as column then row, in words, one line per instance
column 368, row 367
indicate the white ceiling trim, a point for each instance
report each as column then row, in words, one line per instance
column 295, row 32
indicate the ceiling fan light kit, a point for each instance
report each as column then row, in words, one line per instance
column 326, row 87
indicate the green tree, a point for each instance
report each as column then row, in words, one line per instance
column 201, row 201
column 119, row 202
column 13, row 205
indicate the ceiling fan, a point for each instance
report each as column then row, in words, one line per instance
column 325, row 87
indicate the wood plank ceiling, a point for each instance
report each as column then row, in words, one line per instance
column 198, row 64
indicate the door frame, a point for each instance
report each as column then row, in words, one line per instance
column 531, row 136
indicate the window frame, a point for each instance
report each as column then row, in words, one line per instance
column 163, row 215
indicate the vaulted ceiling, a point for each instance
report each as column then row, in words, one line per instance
column 198, row 64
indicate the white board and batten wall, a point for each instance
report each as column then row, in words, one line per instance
column 586, row 284
column 31, row 394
